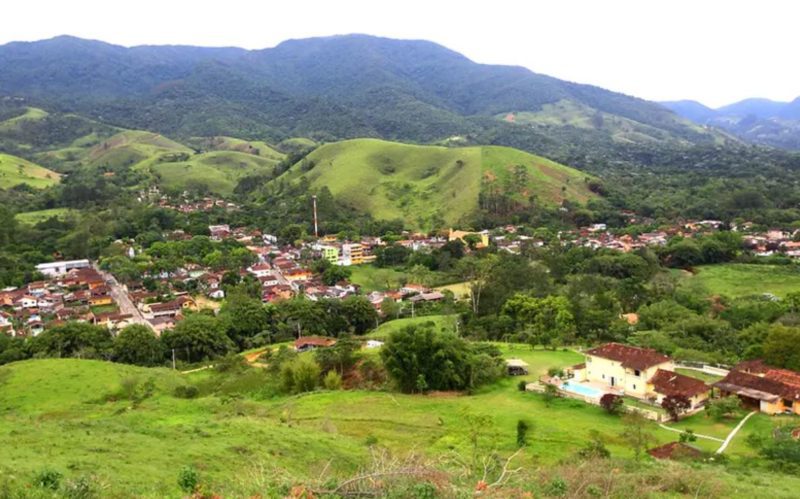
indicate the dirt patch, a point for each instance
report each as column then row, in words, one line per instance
column 489, row 176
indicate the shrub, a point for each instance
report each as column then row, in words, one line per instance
column 48, row 479
column 332, row 381
column 522, row 433
column 522, row 385
column 611, row 403
column 555, row 371
column 721, row 408
column 188, row 479
column 688, row 436
column 186, row 392
column 550, row 393
column 557, row 487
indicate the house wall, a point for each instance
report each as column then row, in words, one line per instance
column 696, row 401
column 603, row 370
column 778, row 407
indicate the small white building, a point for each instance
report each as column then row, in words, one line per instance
column 55, row 269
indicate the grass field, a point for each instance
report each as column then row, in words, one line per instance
column 442, row 322
column 706, row 378
column 15, row 171
column 421, row 184
column 34, row 217
column 372, row 278
column 219, row 171
column 67, row 415
column 735, row 280
column 254, row 147
column 461, row 290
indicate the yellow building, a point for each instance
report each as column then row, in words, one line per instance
column 352, row 254
column 461, row 234
column 759, row 386
column 623, row 367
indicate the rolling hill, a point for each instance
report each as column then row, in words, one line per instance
column 424, row 184
column 15, row 171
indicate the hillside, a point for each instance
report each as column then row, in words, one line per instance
column 762, row 121
column 99, row 422
column 424, row 184
column 337, row 87
column 15, row 171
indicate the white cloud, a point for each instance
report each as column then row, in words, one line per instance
column 713, row 51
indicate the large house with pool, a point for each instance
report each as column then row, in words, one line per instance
column 641, row 373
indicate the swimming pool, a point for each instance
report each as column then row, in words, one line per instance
column 582, row 389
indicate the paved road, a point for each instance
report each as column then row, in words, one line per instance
column 120, row 296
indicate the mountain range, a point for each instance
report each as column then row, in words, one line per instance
column 761, row 121
column 328, row 88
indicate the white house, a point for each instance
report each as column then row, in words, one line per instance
column 55, row 269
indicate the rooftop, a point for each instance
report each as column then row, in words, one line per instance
column 630, row 357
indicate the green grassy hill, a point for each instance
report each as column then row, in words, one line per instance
column 254, row 147
column 15, row 171
column 217, row 172
column 421, row 184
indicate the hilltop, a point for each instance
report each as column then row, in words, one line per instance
column 424, row 184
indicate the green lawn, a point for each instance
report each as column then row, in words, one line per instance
column 736, row 279
column 372, row 278
column 706, row 378
column 34, row 217
column 440, row 322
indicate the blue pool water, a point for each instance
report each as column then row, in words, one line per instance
column 582, row 389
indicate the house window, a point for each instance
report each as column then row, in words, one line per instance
column 634, row 387
column 604, row 376
column 637, row 373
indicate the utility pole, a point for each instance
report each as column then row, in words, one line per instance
column 316, row 228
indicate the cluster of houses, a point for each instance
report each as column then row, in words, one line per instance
column 71, row 291
column 649, row 376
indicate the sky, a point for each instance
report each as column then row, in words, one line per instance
column 715, row 52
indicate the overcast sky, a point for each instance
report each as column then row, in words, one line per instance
column 716, row 52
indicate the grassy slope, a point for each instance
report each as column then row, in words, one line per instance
column 392, row 180
column 372, row 278
column 219, row 170
column 735, row 280
column 52, row 414
column 15, row 171
column 443, row 322
column 32, row 113
column 254, row 147
column 570, row 113
column 34, row 217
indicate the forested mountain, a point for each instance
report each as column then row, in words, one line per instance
column 334, row 87
column 761, row 121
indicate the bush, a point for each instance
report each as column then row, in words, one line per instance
column 332, row 381
column 522, row 433
column 81, row 488
column 522, row 385
column 186, row 392
column 301, row 375
column 721, row 408
column 188, row 479
column 611, row 403
column 48, row 479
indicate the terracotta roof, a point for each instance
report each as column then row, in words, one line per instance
column 314, row 341
column 752, row 366
column 580, row 366
column 756, row 387
column 672, row 383
column 674, row 450
column 631, row 357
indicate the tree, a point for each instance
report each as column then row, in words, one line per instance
column 359, row 313
column 780, row 347
column 198, row 337
column 636, row 433
column 341, row 357
column 334, row 274
column 441, row 360
column 476, row 272
column 522, row 433
column 136, row 344
column 243, row 318
column 548, row 319
column 721, row 408
column 74, row 339
column 675, row 405
column 611, row 403
column 550, row 393
column 301, row 375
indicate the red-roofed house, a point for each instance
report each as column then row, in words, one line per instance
column 667, row 383
column 623, row 367
column 770, row 390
